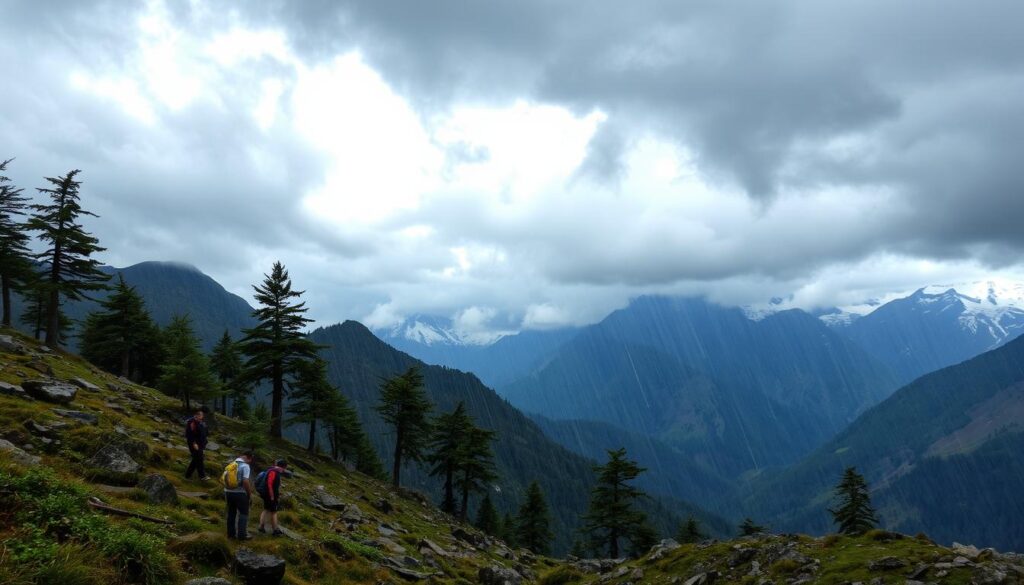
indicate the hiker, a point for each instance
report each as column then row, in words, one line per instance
column 268, row 486
column 238, row 493
column 195, row 436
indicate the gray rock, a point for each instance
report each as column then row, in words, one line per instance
column 352, row 514
column 742, row 556
column 8, row 344
column 113, row 458
column 82, row 417
column 887, row 564
column 17, row 454
column 85, row 384
column 498, row 575
column 322, row 499
column 211, row 446
column 467, row 536
column 158, row 489
column 38, row 429
column 208, row 581
column 965, row 550
column 702, row 578
column 12, row 390
column 257, row 569
column 426, row 544
column 41, row 367
column 50, row 391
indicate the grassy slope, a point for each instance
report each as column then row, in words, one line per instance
column 49, row 504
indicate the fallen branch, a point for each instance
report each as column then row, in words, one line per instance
column 99, row 505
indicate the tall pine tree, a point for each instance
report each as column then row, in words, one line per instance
column 404, row 405
column 227, row 367
column 749, row 528
column 690, row 532
column 612, row 517
column 34, row 314
column 854, row 514
column 475, row 465
column 121, row 337
column 533, row 524
column 70, row 271
column 185, row 372
column 15, row 262
column 446, row 444
column 312, row 397
column 276, row 345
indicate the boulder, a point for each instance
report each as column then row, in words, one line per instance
column 211, row 446
column 966, row 550
column 17, row 454
column 428, row 545
column 208, row 581
column 322, row 499
column 887, row 564
column 257, row 569
column 467, row 536
column 498, row 575
column 8, row 344
column 41, row 367
column 702, row 578
column 85, row 384
column 12, row 390
column 50, row 391
column 158, row 489
column 661, row 549
column 352, row 515
column 113, row 458
column 383, row 505
column 82, row 417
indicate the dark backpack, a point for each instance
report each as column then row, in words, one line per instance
column 261, row 483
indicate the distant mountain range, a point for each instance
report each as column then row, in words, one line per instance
column 943, row 455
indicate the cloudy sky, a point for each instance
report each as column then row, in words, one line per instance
column 532, row 163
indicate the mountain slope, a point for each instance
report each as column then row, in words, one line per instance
column 733, row 393
column 169, row 289
column 942, row 454
column 932, row 328
column 358, row 361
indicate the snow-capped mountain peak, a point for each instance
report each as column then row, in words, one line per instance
column 432, row 330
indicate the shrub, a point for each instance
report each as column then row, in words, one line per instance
column 883, row 535
column 560, row 575
column 347, row 549
column 785, row 567
column 209, row 549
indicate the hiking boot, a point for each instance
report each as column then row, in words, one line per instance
column 205, row 478
column 261, row 530
column 278, row 533
column 246, row 537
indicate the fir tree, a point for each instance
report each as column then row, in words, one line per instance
column 312, row 397
column 446, row 444
column 35, row 314
column 533, row 524
column 367, row 461
column 254, row 430
column 578, row 550
column 508, row 530
column 226, row 363
column 612, row 517
column 185, row 372
column 241, row 409
column 121, row 337
column 855, row 514
column 748, row 528
column 276, row 345
column 404, row 405
column 689, row 532
column 15, row 258
column 70, row 270
column 343, row 427
column 475, row 465
column 487, row 519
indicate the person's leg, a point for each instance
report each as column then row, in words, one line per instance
column 232, row 513
column 201, row 464
column 273, row 521
column 263, row 518
column 191, row 464
column 243, row 515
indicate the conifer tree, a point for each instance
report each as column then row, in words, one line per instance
column 690, row 532
column 855, row 514
column 343, row 427
column 475, row 465
column 69, row 269
column 254, row 432
column 35, row 316
column 533, row 524
column 578, row 550
column 312, row 397
column 121, row 337
column 487, row 519
column 185, row 372
column 227, row 367
column 611, row 517
column 404, row 405
column 367, row 461
column 748, row 528
column 446, row 444
column 508, row 530
column 15, row 257
column 276, row 345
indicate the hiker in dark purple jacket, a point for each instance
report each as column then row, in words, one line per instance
column 196, row 438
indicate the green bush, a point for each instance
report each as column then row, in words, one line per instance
column 347, row 549
column 209, row 549
column 561, row 575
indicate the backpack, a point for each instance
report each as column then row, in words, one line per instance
column 229, row 479
column 261, row 483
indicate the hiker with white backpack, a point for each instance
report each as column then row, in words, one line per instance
column 238, row 495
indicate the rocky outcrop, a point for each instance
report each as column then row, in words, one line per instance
column 17, row 454
column 258, row 569
column 50, row 391
column 114, row 459
column 158, row 489
column 498, row 575
column 324, row 500
column 12, row 390
column 77, row 415
column 85, row 384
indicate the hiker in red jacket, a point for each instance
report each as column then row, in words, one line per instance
column 268, row 485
